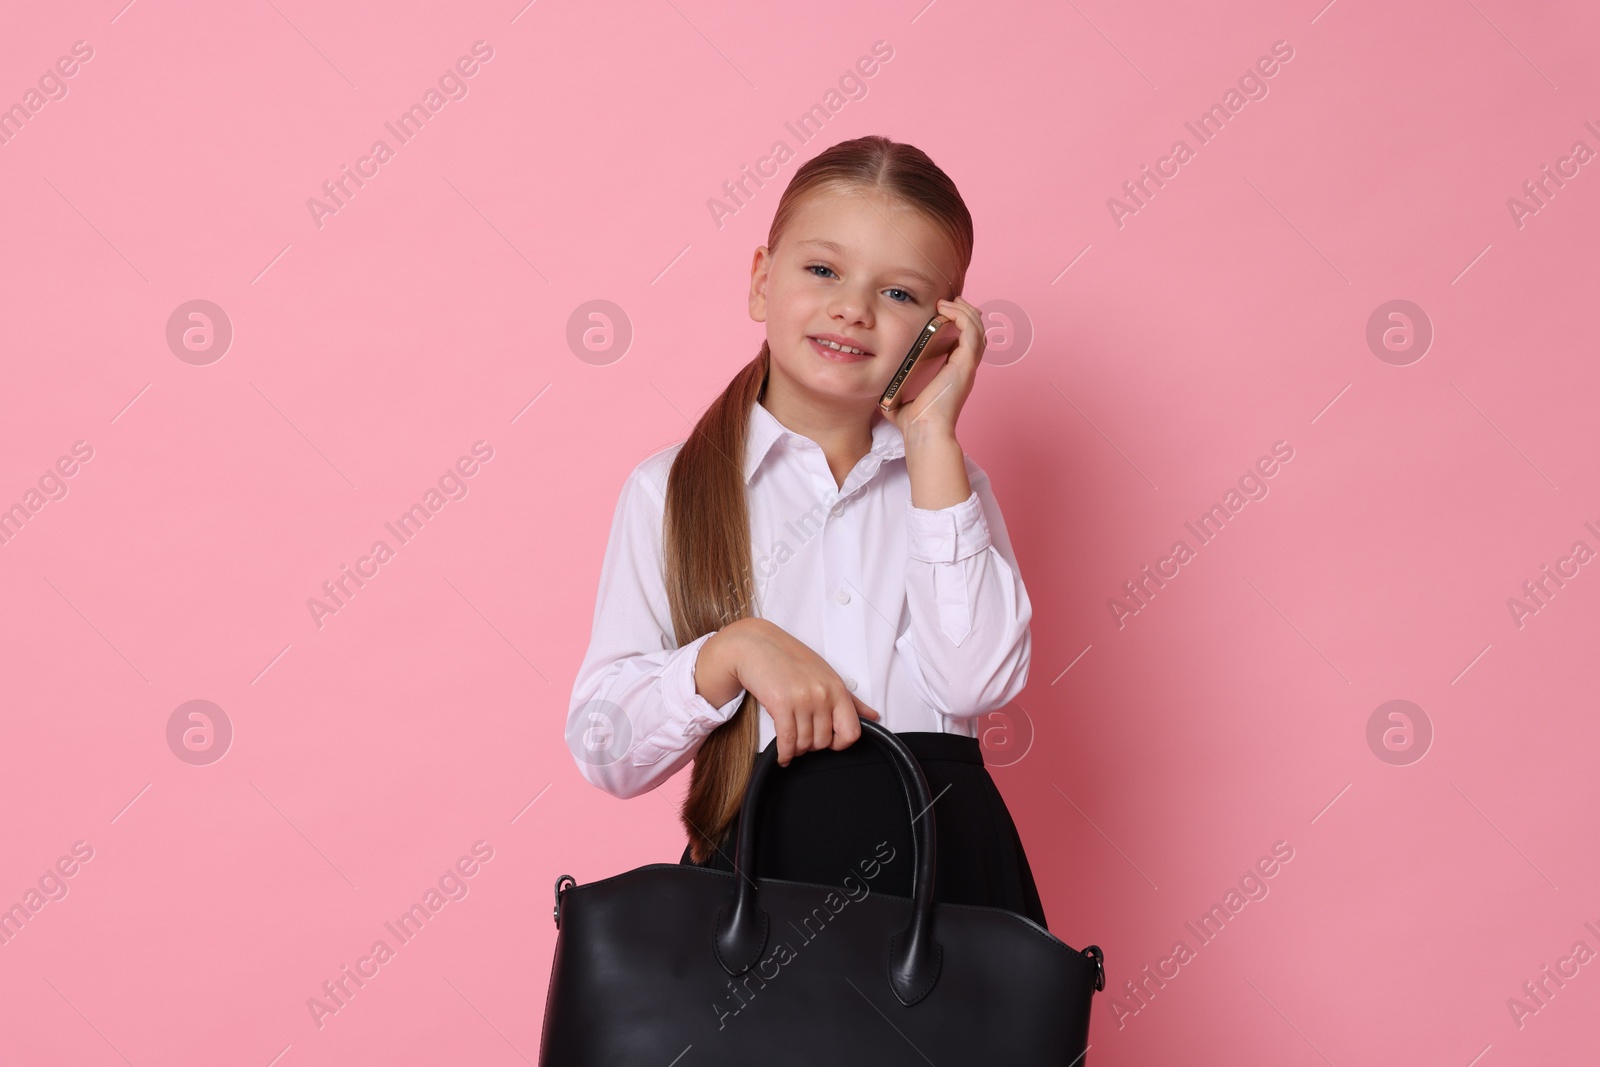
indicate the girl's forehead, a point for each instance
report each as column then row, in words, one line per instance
column 873, row 230
column 856, row 209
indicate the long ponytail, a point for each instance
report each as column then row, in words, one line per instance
column 706, row 534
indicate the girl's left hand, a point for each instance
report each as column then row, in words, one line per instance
column 937, row 407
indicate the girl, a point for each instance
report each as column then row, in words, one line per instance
column 803, row 555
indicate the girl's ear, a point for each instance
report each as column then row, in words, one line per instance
column 760, row 271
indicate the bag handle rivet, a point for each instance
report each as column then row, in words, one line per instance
column 556, row 911
column 1099, row 958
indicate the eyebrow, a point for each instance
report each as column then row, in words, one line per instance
column 839, row 249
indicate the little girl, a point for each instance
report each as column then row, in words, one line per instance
column 805, row 556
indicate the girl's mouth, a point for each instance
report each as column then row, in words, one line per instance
column 836, row 355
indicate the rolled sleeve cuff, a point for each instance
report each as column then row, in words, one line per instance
column 690, row 716
column 948, row 534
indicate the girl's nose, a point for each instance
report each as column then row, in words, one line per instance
column 851, row 309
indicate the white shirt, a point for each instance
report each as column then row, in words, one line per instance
column 922, row 612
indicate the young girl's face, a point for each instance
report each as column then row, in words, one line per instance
column 858, row 269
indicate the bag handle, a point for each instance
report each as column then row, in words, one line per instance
column 914, row 956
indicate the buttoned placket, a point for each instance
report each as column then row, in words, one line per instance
column 846, row 615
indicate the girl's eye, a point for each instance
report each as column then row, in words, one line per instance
column 909, row 297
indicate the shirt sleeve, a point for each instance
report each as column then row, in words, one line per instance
column 635, row 718
column 969, row 634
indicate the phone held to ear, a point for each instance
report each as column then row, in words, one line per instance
column 922, row 346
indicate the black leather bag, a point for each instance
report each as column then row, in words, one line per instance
column 671, row 964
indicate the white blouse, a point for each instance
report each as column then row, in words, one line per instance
column 923, row 613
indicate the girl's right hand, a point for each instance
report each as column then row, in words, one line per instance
column 810, row 706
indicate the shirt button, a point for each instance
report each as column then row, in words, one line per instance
column 842, row 597
column 850, row 684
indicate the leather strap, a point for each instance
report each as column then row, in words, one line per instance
column 914, row 956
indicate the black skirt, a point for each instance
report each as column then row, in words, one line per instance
column 826, row 813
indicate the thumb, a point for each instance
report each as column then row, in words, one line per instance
column 866, row 712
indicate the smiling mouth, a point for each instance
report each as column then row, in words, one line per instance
column 838, row 353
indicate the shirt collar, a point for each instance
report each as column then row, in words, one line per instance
column 765, row 431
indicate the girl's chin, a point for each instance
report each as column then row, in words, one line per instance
column 842, row 385
column 825, row 379
column 845, row 396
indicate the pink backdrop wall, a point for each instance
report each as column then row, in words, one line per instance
column 1142, row 361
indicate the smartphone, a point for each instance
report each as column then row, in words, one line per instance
column 922, row 345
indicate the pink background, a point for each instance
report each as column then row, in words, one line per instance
column 1158, row 760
